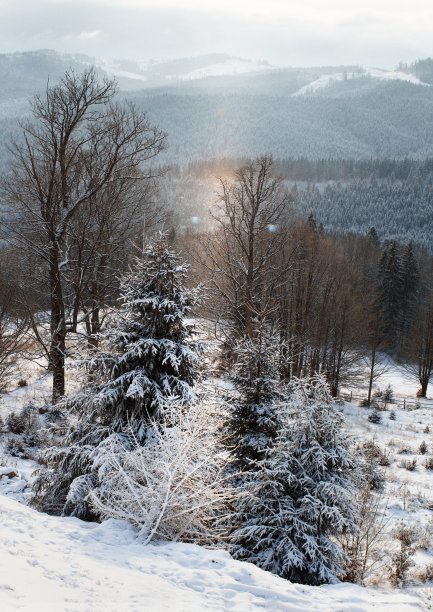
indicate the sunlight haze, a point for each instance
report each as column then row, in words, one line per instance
column 284, row 33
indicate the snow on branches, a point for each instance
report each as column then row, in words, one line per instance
column 300, row 495
column 149, row 360
column 172, row 488
column 152, row 356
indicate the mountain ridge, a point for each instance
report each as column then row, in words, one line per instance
column 249, row 110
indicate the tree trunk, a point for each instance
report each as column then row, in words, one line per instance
column 370, row 384
column 57, row 326
column 249, row 310
column 95, row 326
column 424, row 384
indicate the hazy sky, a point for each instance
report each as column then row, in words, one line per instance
column 285, row 32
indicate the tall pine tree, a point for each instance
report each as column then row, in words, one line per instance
column 410, row 283
column 390, row 291
column 149, row 360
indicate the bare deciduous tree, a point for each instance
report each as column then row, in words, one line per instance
column 242, row 253
column 13, row 320
column 420, row 360
column 78, row 144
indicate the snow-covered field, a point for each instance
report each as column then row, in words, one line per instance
column 52, row 563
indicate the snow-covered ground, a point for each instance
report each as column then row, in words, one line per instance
column 52, row 563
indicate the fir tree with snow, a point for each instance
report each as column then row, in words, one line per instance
column 150, row 360
column 252, row 425
column 301, row 494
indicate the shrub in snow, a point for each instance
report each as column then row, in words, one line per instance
column 426, row 574
column 423, row 448
column 149, row 359
column 402, row 561
column 299, row 498
column 174, row 486
column 392, row 416
column 375, row 417
column 23, row 421
column 370, row 459
column 364, row 547
column 429, row 463
column 404, row 450
column 26, row 432
column 409, row 464
column 375, row 478
column 371, row 449
column 16, row 447
column 388, row 395
column 424, row 538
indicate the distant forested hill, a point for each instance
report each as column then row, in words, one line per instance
column 401, row 210
column 393, row 196
column 329, row 112
column 393, row 119
column 347, row 136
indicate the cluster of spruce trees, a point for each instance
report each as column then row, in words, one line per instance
column 290, row 465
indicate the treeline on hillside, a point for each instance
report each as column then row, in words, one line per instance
column 332, row 302
column 359, row 118
column 303, row 169
column 344, row 196
column 422, row 68
column 399, row 210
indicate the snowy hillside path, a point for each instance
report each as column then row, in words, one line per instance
column 50, row 563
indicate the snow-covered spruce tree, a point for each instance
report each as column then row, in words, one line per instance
column 301, row 495
column 252, row 424
column 149, row 360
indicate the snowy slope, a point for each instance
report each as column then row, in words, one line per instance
column 153, row 71
column 376, row 73
column 54, row 564
column 51, row 563
column 232, row 66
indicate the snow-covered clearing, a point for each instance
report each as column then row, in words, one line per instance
column 326, row 80
column 53, row 563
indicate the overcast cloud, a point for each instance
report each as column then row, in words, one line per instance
column 285, row 32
